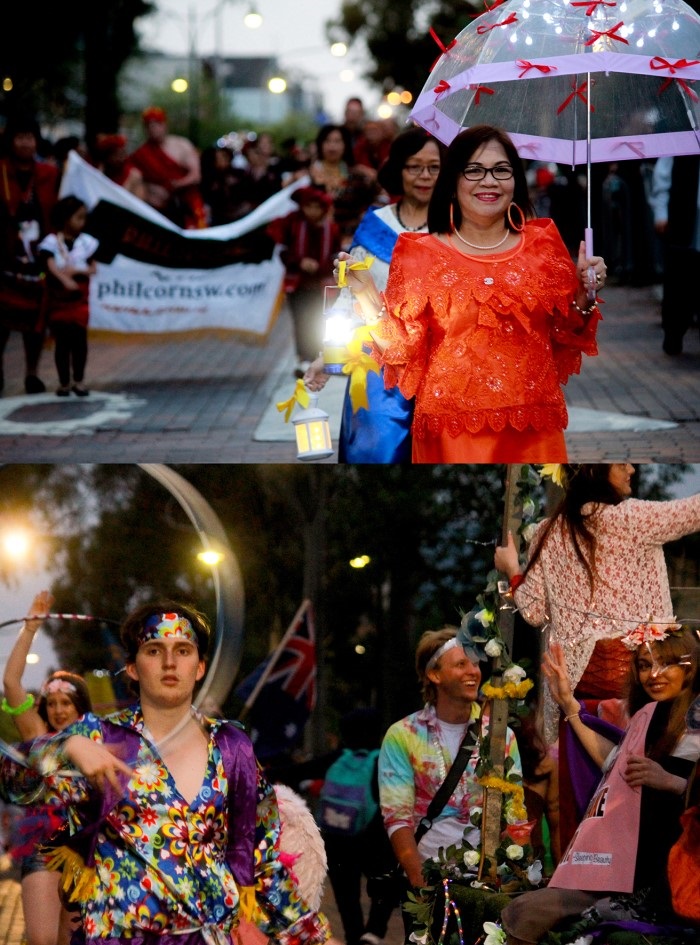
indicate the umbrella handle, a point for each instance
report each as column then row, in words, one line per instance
column 588, row 240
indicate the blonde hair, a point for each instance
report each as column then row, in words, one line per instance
column 428, row 645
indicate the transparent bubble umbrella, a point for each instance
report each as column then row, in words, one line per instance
column 573, row 81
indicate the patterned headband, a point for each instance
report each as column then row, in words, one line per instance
column 452, row 642
column 58, row 685
column 165, row 627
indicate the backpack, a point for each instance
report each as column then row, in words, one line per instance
column 346, row 802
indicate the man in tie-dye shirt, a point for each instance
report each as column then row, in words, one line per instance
column 175, row 823
column 418, row 751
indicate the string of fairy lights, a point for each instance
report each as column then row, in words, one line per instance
column 615, row 622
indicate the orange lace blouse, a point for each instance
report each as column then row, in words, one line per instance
column 484, row 343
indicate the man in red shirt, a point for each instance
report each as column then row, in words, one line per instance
column 171, row 171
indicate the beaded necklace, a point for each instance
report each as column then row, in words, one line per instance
column 410, row 229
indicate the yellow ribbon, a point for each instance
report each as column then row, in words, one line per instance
column 358, row 266
column 358, row 365
column 300, row 396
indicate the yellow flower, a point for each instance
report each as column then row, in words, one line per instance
column 555, row 472
column 510, row 690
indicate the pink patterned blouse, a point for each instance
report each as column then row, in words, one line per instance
column 631, row 581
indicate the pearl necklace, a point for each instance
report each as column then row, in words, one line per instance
column 410, row 229
column 476, row 245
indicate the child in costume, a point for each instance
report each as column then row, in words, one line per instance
column 311, row 239
column 69, row 254
column 63, row 698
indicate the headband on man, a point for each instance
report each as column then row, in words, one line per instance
column 441, row 650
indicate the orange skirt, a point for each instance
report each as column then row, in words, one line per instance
column 509, row 446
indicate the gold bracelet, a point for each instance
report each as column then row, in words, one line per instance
column 574, row 715
column 584, row 311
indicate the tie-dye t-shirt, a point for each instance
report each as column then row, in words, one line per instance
column 413, row 763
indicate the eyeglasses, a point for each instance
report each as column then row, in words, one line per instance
column 415, row 170
column 479, row 172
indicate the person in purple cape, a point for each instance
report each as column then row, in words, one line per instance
column 173, row 829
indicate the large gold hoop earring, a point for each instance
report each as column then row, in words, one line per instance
column 509, row 216
column 452, row 216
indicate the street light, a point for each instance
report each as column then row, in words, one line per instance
column 252, row 19
column 210, row 557
column 16, row 543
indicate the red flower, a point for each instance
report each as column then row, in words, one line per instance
column 520, row 833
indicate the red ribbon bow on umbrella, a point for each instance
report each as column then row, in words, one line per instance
column 577, row 92
column 672, row 66
column 511, row 18
column 592, row 4
column 683, row 84
column 658, row 62
column 479, row 89
column 442, row 86
column 443, row 49
column 525, row 65
column 597, row 34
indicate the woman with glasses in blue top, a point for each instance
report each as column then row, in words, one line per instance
column 485, row 316
column 380, row 431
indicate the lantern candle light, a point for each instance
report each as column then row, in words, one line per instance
column 340, row 325
column 313, row 432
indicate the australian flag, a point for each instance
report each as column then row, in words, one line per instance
column 282, row 706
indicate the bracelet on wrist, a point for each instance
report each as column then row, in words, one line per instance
column 572, row 715
column 17, row 709
column 516, row 581
column 584, row 311
column 381, row 314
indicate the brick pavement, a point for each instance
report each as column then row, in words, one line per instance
column 11, row 917
column 180, row 400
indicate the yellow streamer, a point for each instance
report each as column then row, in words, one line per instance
column 358, row 365
column 78, row 881
column 300, row 396
column 358, row 266
column 247, row 903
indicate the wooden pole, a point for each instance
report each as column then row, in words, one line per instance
column 498, row 708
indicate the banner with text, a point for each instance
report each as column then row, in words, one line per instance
column 153, row 277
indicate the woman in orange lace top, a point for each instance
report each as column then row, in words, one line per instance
column 485, row 316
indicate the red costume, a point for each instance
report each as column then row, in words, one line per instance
column 26, row 199
column 159, row 168
column 484, row 344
